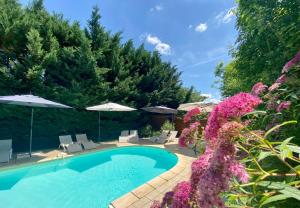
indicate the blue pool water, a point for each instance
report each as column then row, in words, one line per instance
column 85, row 181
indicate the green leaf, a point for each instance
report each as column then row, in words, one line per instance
column 284, row 149
column 256, row 113
column 278, row 126
column 263, row 155
column 274, row 198
column 295, row 149
column 283, row 188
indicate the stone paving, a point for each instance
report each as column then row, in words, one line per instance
column 141, row 197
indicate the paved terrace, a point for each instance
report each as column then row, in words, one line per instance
column 142, row 196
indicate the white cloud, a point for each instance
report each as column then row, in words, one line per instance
column 156, row 8
column 207, row 95
column 201, row 27
column 216, row 98
column 226, row 16
column 161, row 47
column 190, row 26
column 153, row 39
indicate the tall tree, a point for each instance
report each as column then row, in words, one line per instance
column 268, row 36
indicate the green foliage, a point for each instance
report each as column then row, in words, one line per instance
column 148, row 131
column 273, row 155
column 52, row 57
column 268, row 36
column 169, row 126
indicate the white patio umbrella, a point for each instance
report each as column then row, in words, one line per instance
column 204, row 107
column 108, row 107
column 160, row 110
column 30, row 101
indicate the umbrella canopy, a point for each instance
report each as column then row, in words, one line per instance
column 30, row 101
column 160, row 110
column 204, row 107
column 108, row 107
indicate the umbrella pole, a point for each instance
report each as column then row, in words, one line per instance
column 99, row 120
column 31, row 125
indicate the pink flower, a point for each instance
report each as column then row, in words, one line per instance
column 229, row 130
column 281, row 79
column 233, row 107
column 181, row 195
column 239, row 171
column 274, row 86
column 155, row 204
column 283, row 106
column 189, row 115
column 258, row 88
column 291, row 63
column 188, row 135
column 200, row 165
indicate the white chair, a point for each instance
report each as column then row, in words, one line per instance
column 68, row 145
column 172, row 136
column 133, row 136
column 161, row 138
column 87, row 144
column 5, row 150
column 124, row 137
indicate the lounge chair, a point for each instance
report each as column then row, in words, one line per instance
column 68, row 145
column 124, row 137
column 5, row 150
column 172, row 136
column 162, row 137
column 87, row 144
column 133, row 136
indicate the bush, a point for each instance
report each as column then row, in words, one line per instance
column 168, row 126
column 148, row 131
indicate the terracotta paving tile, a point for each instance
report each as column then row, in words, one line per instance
column 141, row 203
column 156, row 182
column 125, row 201
column 142, row 190
column 167, row 175
column 153, row 195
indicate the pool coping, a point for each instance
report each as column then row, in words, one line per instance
column 144, row 193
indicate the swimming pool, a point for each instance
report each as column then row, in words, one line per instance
column 89, row 180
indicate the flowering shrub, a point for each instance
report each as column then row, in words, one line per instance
column 191, row 114
column 243, row 166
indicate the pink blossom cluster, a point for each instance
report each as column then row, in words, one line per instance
column 188, row 135
column 189, row 115
column 281, row 79
column 291, row 63
column 221, row 168
column 277, row 83
column 181, row 196
column 213, row 170
column 258, row 89
column 233, row 107
column 283, row 106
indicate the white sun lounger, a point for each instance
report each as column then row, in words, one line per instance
column 124, row 136
column 68, row 145
column 172, row 136
column 162, row 137
column 133, row 136
column 87, row 144
column 5, row 150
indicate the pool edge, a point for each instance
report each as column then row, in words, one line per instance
column 152, row 185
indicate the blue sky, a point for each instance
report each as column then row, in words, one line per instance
column 194, row 35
